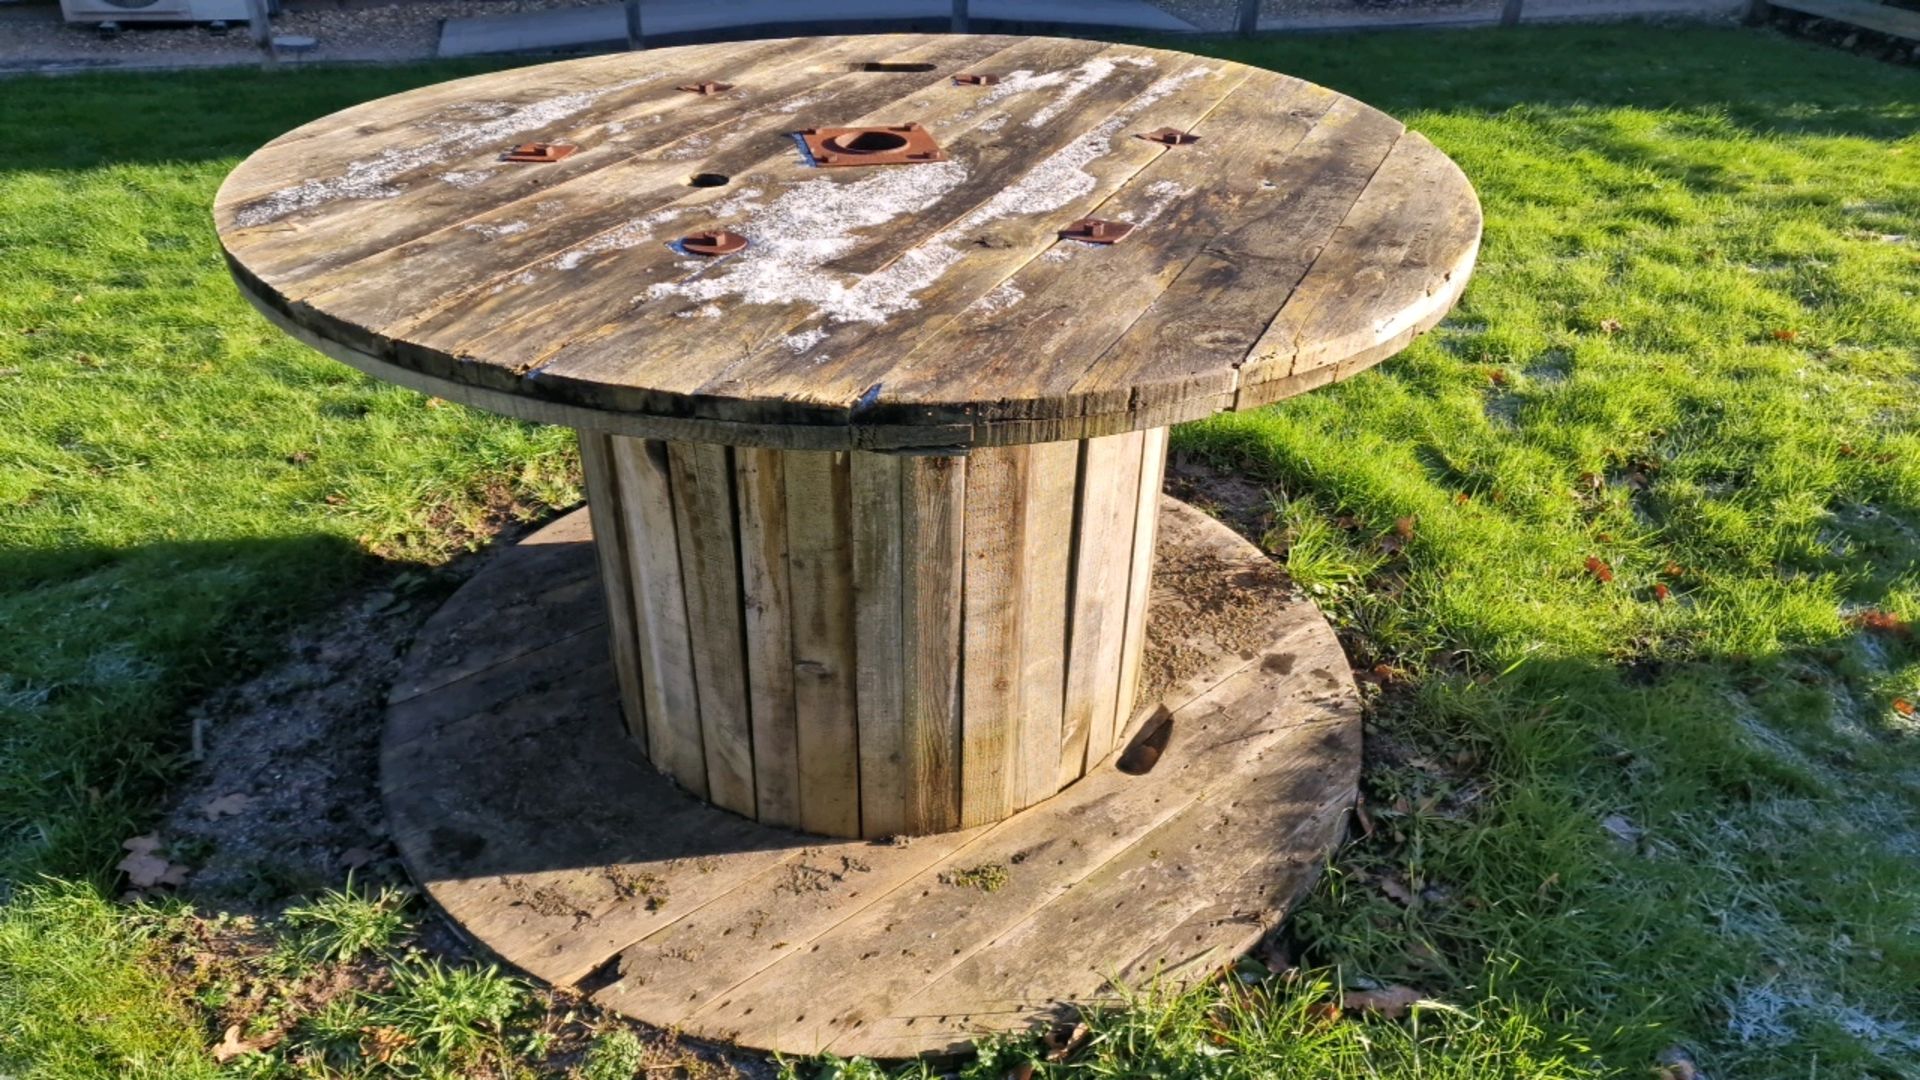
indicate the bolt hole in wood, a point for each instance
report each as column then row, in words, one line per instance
column 709, row 179
column 1148, row 747
column 867, row 142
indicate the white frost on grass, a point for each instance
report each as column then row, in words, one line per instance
column 1767, row 1012
column 372, row 178
column 814, row 222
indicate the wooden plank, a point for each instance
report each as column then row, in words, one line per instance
column 1053, row 474
column 878, row 593
column 610, row 545
column 703, row 515
column 1020, row 219
column 674, row 739
column 1280, row 789
column 826, row 676
column 707, row 952
column 635, row 111
column 761, row 491
column 402, row 123
column 511, row 277
column 1380, row 278
column 1250, row 150
column 926, row 932
column 933, row 526
column 1103, row 546
column 1153, row 464
column 993, row 632
column 891, row 217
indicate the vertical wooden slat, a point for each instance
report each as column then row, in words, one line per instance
column 933, row 497
column 875, row 524
column 674, row 742
column 616, row 577
column 993, row 601
column 1146, row 519
column 820, row 554
column 1048, row 563
column 761, row 491
column 1109, row 486
column 710, row 565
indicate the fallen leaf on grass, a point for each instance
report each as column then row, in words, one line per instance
column 1785, row 335
column 1397, row 891
column 1610, row 327
column 1388, row 1002
column 1598, row 567
column 1903, row 706
column 1662, row 593
column 1882, row 621
column 1326, row 1012
column 1063, row 1040
column 232, row 1045
column 231, row 805
column 145, row 867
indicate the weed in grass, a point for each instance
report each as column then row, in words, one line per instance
column 441, row 1014
column 616, row 1055
column 341, row 924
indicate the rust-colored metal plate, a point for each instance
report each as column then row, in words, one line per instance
column 539, row 152
column 975, row 79
column 1096, row 231
column 1167, row 136
column 891, row 144
column 713, row 242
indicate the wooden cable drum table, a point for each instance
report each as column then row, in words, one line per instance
column 878, row 698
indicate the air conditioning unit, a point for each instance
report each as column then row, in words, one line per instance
column 124, row 11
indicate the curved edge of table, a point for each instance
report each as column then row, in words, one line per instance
column 529, row 818
column 838, row 431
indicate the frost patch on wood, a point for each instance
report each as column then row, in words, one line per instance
column 811, row 224
column 999, row 298
column 817, row 221
column 495, row 232
column 372, row 178
column 1074, row 81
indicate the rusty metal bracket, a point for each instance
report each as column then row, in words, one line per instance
column 975, row 79
column 706, row 89
column 1167, row 136
column 892, row 144
column 712, row 242
column 1096, row 231
column 539, row 152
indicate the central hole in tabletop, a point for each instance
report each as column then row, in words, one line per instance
column 867, row 142
column 891, row 65
column 708, row 179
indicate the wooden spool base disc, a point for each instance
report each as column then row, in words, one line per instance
column 520, row 805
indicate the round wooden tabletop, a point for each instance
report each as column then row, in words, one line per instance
column 1264, row 236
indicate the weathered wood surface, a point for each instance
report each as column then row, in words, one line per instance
column 605, row 876
column 863, row 644
column 1302, row 238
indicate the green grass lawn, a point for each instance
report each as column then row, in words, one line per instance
column 1628, row 545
